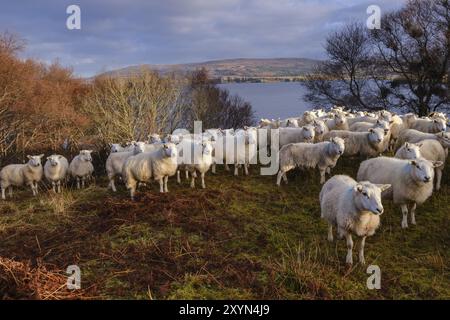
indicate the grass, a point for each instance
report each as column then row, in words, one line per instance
column 241, row 238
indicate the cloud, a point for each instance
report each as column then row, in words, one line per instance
column 119, row 33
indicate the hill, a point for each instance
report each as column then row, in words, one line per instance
column 233, row 69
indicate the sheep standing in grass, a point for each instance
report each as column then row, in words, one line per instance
column 200, row 160
column 81, row 168
column 18, row 175
column 55, row 170
column 114, row 165
column 295, row 135
column 429, row 149
column 320, row 129
column 158, row 164
column 352, row 208
column 322, row 155
column 368, row 144
column 411, row 180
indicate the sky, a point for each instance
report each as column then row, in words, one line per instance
column 119, row 33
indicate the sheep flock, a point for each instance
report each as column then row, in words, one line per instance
column 352, row 206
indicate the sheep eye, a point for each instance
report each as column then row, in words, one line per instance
column 365, row 194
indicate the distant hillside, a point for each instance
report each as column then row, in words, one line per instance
column 234, row 69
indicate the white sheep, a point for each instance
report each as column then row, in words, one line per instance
column 352, row 208
column 322, row 155
column 307, row 118
column 320, row 129
column 428, row 125
column 81, row 168
column 295, row 135
column 18, row 175
column 114, row 165
column 289, row 123
column 200, row 159
column 158, row 164
column 414, row 136
column 365, row 126
column 429, row 149
column 241, row 148
column 338, row 122
column 55, row 170
column 368, row 144
column 411, row 180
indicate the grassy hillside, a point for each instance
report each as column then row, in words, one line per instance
column 241, row 238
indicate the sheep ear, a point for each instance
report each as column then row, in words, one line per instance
column 437, row 163
column 29, row 157
column 383, row 187
column 435, row 121
column 406, row 144
column 370, row 130
column 358, row 188
column 419, row 144
column 41, row 155
column 414, row 163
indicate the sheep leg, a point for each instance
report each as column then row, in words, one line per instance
column 59, row 186
column 227, row 168
column 3, row 193
column 330, row 233
column 285, row 177
column 192, row 181
column 203, row 180
column 178, row 177
column 82, row 181
column 112, row 184
column 246, row 169
column 78, row 182
column 213, row 168
column 10, row 191
column 54, row 186
column 161, row 185
column 404, row 208
column 236, row 169
column 35, row 184
column 187, row 174
column 412, row 212
column 349, row 258
column 328, row 170
column 438, row 178
column 166, row 189
column 322, row 175
column 361, row 251
column 280, row 174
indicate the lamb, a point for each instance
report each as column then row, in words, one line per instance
column 55, row 170
column 81, row 167
column 368, row 144
column 18, row 175
column 414, row 136
column 320, row 129
column 338, row 122
column 429, row 125
column 352, row 208
column 323, row 155
column 158, row 164
column 429, row 149
column 295, row 135
column 411, row 180
column 199, row 161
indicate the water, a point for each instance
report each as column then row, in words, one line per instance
column 272, row 100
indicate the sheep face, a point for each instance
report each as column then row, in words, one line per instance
column 154, row 138
column 422, row 171
column 338, row 145
column 411, row 151
column 85, row 155
column 319, row 127
column 440, row 125
column 340, row 119
column 386, row 116
column 207, row 148
column 308, row 133
column 170, row 150
column 54, row 160
column 35, row 161
column 383, row 125
column 115, row 147
column 367, row 197
column 139, row 147
column 308, row 116
column 376, row 136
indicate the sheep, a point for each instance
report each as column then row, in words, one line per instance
column 438, row 115
column 429, row 149
column 116, row 147
column 396, row 127
column 240, row 149
column 320, row 129
column 307, row 118
column 364, row 126
column 365, row 118
column 295, row 135
column 154, row 138
column 414, row 136
column 201, row 160
column 55, row 170
column 114, row 165
column 158, row 164
column 338, row 122
column 366, row 144
column 352, row 208
column 429, row 125
column 81, row 167
column 18, row 175
column 322, row 155
column 411, row 180
column 289, row 123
